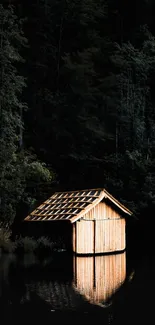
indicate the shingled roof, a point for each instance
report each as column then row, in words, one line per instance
column 72, row 205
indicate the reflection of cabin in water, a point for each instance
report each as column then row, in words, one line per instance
column 94, row 281
column 97, row 278
column 92, row 220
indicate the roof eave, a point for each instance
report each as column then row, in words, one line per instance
column 117, row 203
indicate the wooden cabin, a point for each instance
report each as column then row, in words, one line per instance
column 97, row 220
column 97, row 278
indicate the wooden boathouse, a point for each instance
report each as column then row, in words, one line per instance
column 97, row 220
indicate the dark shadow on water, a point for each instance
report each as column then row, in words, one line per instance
column 42, row 292
column 133, row 303
column 64, row 289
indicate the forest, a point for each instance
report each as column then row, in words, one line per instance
column 77, row 102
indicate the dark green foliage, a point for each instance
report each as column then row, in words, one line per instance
column 11, row 85
column 16, row 167
column 6, row 245
column 28, row 245
column 89, row 68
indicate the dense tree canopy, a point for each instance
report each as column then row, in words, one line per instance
column 77, row 93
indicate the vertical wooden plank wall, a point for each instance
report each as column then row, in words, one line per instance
column 74, row 237
column 110, row 235
column 84, row 237
column 108, row 231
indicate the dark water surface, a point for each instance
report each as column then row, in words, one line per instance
column 64, row 289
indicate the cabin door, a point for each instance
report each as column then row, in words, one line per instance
column 84, row 237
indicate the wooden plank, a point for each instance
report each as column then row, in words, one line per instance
column 100, row 235
column 76, row 196
column 54, row 215
column 74, row 237
column 51, row 220
column 94, row 236
column 70, row 202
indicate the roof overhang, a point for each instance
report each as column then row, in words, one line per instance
column 73, row 205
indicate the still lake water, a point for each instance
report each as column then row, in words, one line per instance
column 64, row 289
